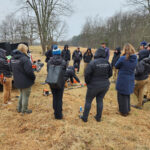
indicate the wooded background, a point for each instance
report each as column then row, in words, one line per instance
column 43, row 21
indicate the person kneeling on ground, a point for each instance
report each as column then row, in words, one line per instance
column 97, row 76
column 23, row 76
column 70, row 74
column 125, row 81
column 57, row 93
column 6, row 77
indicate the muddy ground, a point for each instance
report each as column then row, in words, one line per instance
column 40, row 131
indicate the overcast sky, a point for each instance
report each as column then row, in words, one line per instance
column 82, row 10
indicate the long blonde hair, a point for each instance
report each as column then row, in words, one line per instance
column 23, row 48
column 128, row 50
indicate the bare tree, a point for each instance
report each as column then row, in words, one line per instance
column 142, row 4
column 45, row 11
column 14, row 30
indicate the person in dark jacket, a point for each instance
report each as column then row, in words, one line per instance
column 116, row 56
column 147, row 94
column 97, row 77
column 6, row 77
column 48, row 54
column 66, row 54
column 23, row 76
column 77, row 57
column 87, row 57
column 70, row 74
column 107, row 51
column 143, row 45
column 57, row 60
column 125, row 81
column 141, row 77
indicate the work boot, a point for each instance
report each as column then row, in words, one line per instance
column 59, row 117
column 137, row 107
column 83, row 119
column 97, row 119
column 18, row 110
column 28, row 111
column 144, row 101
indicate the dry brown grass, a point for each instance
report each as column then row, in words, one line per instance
column 39, row 130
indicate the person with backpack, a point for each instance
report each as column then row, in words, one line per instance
column 77, row 57
column 66, row 54
column 125, row 81
column 23, row 77
column 147, row 95
column 6, row 77
column 116, row 56
column 141, row 77
column 97, row 76
column 87, row 57
column 107, row 51
column 56, row 74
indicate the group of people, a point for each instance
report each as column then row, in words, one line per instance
column 20, row 67
column 77, row 56
column 130, row 72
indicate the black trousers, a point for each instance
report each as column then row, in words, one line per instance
column 123, row 103
column 91, row 94
column 57, row 102
column 76, row 64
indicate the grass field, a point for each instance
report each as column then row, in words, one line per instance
column 40, row 131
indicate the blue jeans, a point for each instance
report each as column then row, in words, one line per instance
column 23, row 99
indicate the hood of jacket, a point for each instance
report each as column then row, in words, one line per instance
column 56, row 60
column 65, row 47
column 17, row 54
column 100, row 53
column 143, row 54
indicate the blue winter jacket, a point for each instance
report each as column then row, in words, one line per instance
column 125, row 80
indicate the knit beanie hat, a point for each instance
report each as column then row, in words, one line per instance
column 56, row 50
column 144, row 43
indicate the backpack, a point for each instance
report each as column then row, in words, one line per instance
column 140, row 68
column 55, row 77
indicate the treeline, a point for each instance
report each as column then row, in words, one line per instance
column 18, row 29
column 130, row 27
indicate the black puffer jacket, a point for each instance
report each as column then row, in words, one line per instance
column 142, row 69
column 77, row 55
column 22, row 70
column 65, row 53
column 115, row 57
column 48, row 55
column 86, row 57
column 70, row 73
column 98, row 71
column 143, row 54
column 4, row 66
